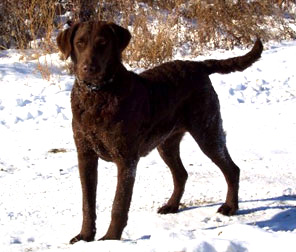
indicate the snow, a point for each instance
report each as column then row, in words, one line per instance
column 40, row 207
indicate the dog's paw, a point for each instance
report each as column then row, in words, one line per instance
column 80, row 237
column 227, row 210
column 168, row 209
column 109, row 237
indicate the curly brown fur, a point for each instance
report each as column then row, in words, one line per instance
column 120, row 116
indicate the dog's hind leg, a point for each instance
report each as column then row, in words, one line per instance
column 169, row 151
column 208, row 133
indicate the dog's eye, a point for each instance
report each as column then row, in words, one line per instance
column 80, row 43
column 101, row 42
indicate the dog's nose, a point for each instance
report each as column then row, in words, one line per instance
column 88, row 68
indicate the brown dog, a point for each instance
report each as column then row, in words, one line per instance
column 120, row 116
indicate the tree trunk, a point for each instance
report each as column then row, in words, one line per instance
column 87, row 10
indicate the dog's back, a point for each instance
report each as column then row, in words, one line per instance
column 178, row 71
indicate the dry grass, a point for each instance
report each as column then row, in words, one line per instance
column 29, row 20
column 30, row 24
column 159, row 28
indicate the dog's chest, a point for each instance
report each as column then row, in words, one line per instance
column 101, row 123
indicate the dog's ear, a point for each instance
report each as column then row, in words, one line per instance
column 123, row 36
column 65, row 40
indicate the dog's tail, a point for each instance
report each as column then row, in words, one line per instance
column 235, row 64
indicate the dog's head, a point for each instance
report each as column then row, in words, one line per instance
column 95, row 48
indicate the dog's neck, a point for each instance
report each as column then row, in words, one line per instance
column 95, row 87
column 119, row 76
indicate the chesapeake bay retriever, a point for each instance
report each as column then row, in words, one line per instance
column 120, row 116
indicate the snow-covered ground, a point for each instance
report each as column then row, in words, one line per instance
column 40, row 196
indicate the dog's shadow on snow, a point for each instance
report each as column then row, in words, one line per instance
column 283, row 221
column 282, row 199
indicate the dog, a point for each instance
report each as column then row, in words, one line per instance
column 120, row 116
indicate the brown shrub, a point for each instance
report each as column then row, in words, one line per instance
column 159, row 28
column 24, row 21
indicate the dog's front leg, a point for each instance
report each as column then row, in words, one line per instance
column 88, row 164
column 125, row 183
